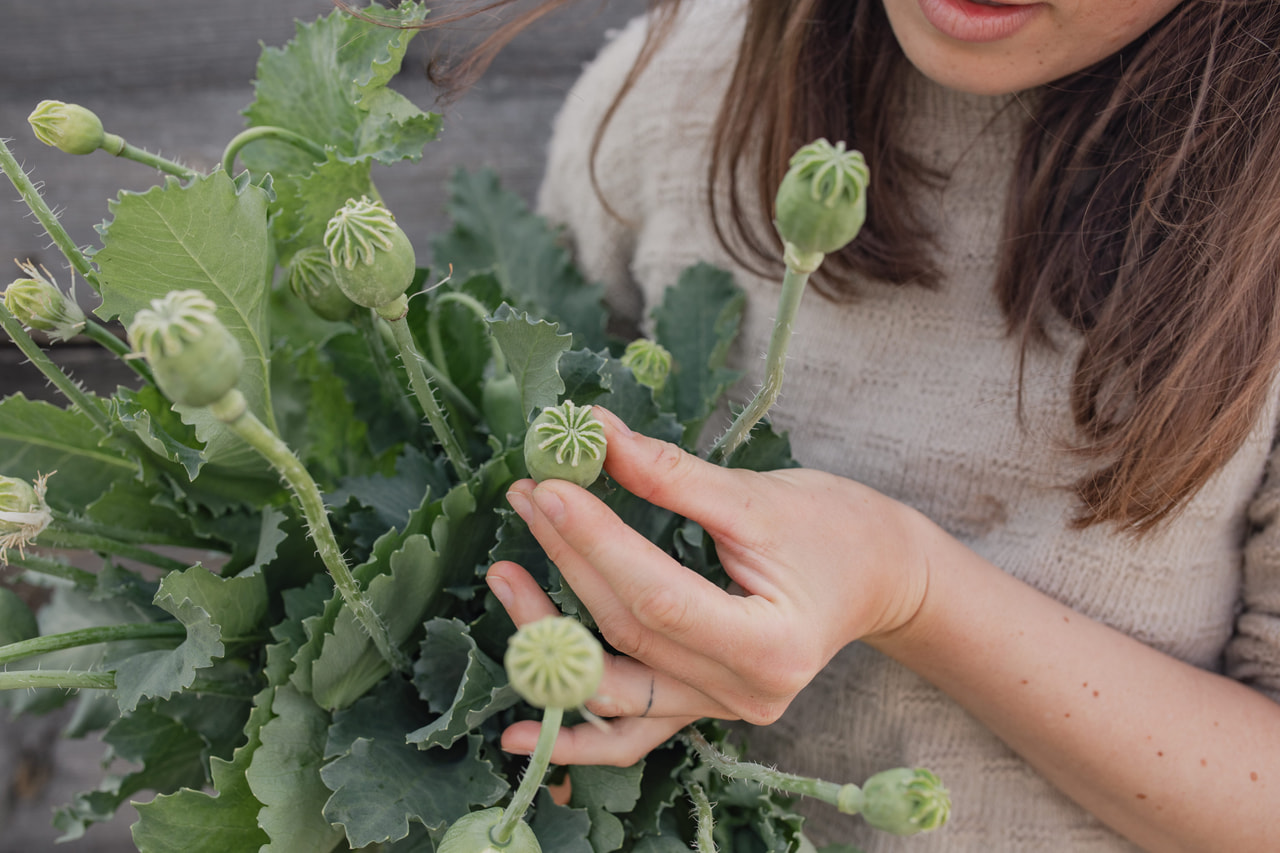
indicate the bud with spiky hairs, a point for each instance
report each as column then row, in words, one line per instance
column 23, row 513
column 38, row 304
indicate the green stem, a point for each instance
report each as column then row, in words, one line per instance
column 52, row 372
column 116, row 145
column 372, row 331
column 234, row 412
column 47, row 218
column 55, row 536
column 90, row 637
column 841, row 796
column 793, row 285
column 482, row 313
column 704, row 818
column 25, row 680
column 98, row 333
column 279, row 134
column 54, row 569
column 412, row 361
column 533, row 776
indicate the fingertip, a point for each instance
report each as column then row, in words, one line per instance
column 612, row 422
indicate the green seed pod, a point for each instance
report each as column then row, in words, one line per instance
column 37, row 303
column 471, row 833
column 565, row 442
column 822, row 201
column 67, row 127
column 503, row 407
column 312, row 279
column 23, row 513
column 371, row 255
column 649, row 361
column 904, row 801
column 554, row 662
column 195, row 359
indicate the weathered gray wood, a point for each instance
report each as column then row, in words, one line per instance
column 174, row 79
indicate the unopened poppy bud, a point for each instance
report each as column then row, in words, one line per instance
column 372, row 258
column 822, row 201
column 905, row 800
column 37, row 303
column 194, row 358
column 311, row 278
column 23, row 513
column 649, row 361
column 67, row 127
column 555, row 662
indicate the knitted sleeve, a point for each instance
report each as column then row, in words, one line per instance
column 1253, row 655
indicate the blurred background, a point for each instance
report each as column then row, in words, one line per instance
column 172, row 78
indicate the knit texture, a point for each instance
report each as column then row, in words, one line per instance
column 914, row 393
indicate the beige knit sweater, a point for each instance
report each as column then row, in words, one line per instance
column 913, row 392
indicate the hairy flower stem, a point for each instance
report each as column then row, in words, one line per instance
column 54, row 569
column 52, row 372
column 704, row 818
column 412, row 361
column 56, row 536
column 793, row 286
column 843, row 797
column 279, row 134
column 552, row 716
column 233, row 411
column 90, row 637
column 45, row 215
column 73, row 680
column 146, row 158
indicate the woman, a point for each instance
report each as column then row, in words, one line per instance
column 1036, row 551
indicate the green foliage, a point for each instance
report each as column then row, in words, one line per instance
column 275, row 724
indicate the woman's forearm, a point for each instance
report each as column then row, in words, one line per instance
column 1172, row 756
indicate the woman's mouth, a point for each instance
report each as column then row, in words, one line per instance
column 977, row 21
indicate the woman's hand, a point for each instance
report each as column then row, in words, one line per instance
column 817, row 561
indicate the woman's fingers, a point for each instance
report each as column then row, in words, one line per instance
column 647, row 605
column 629, row 688
column 622, row 743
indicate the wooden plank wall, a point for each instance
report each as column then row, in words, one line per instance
column 172, row 77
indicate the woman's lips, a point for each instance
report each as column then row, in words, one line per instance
column 966, row 20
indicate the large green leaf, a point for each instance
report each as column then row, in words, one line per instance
column 696, row 322
column 381, row 783
column 214, row 610
column 329, row 85
column 532, row 349
column 493, row 231
column 209, row 235
column 39, row 438
column 284, row 775
column 459, row 682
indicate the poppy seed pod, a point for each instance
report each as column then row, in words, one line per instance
column 312, row 279
column 555, row 662
column 565, row 442
column 473, row 833
column 649, row 361
column 373, row 260
column 194, row 358
column 822, row 200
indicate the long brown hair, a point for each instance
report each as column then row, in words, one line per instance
column 1145, row 211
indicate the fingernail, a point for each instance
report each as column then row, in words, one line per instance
column 516, row 750
column 520, row 503
column 549, row 504
column 500, row 589
column 613, row 420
